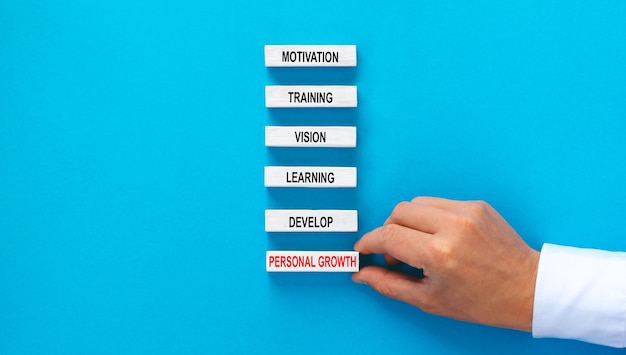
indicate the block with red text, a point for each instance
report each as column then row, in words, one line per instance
column 311, row 261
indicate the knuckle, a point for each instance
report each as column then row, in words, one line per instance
column 429, row 303
column 387, row 291
column 478, row 208
column 442, row 252
column 446, row 256
column 417, row 199
column 394, row 239
column 401, row 208
column 389, row 234
column 385, row 288
column 472, row 218
column 464, row 222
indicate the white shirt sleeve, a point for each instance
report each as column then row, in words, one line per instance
column 581, row 294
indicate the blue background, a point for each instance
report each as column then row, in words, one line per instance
column 131, row 163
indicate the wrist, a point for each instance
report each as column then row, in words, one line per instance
column 527, row 292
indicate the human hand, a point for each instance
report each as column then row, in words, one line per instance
column 476, row 267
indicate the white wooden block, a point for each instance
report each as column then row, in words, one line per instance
column 311, row 221
column 311, row 261
column 310, row 136
column 302, row 96
column 310, row 176
column 310, row 55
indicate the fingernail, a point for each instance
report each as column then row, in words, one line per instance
column 359, row 281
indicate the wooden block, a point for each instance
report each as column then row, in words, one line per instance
column 310, row 56
column 311, row 261
column 310, row 176
column 311, row 221
column 303, row 96
column 310, row 136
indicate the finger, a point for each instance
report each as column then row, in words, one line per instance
column 390, row 283
column 390, row 260
column 423, row 218
column 452, row 205
column 398, row 242
column 437, row 202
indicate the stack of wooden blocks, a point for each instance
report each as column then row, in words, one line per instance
column 311, row 96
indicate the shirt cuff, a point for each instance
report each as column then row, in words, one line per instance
column 581, row 294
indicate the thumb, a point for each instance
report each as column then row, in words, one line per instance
column 391, row 284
